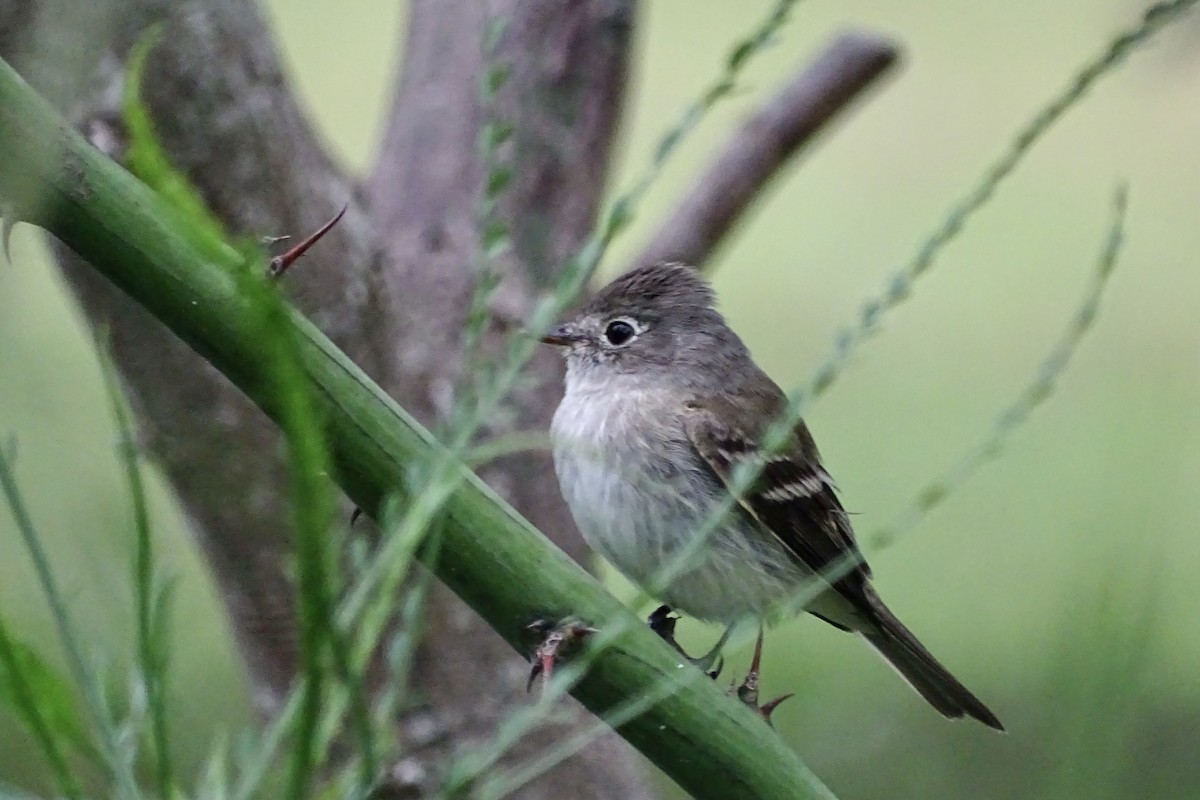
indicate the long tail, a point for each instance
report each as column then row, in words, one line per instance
column 917, row 665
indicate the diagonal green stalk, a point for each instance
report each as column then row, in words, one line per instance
column 490, row 557
column 322, row 644
column 151, row 661
column 311, row 517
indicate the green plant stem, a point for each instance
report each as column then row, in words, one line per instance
column 151, row 659
column 89, row 684
column 1030, row 398
column 900, row 285
column 312, row 513
column 503, row 568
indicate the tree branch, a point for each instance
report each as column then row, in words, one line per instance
column 765, row 143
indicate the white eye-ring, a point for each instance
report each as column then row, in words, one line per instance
column 620, row 331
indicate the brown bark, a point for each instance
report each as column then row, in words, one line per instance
column 766, row 143
column 391, row 284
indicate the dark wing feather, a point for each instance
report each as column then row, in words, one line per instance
column 794, row 497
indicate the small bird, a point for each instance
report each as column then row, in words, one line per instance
column 663, row 402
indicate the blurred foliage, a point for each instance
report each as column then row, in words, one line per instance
column 1057, row 584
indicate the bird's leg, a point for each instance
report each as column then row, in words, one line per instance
column 747, row 692
column 558, row 640
column 663, row 623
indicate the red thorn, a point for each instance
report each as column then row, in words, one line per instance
column 766, row 709
column 280, row 263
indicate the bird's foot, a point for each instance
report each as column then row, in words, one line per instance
column 747, row 690
column 558, row 640
column 662, row 622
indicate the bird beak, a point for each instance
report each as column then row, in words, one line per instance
column 562, row 336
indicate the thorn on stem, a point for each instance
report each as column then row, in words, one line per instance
column 766, row 709
column 280, row 263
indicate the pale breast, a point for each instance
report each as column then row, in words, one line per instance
column 640, row 496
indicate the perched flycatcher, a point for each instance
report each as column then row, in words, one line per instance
column 663, row 402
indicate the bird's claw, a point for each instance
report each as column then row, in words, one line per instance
column 662, row 622
column 558, row 640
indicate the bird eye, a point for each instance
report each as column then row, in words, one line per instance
column 618, row 332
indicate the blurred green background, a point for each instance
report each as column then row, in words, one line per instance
column 1059, row 584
